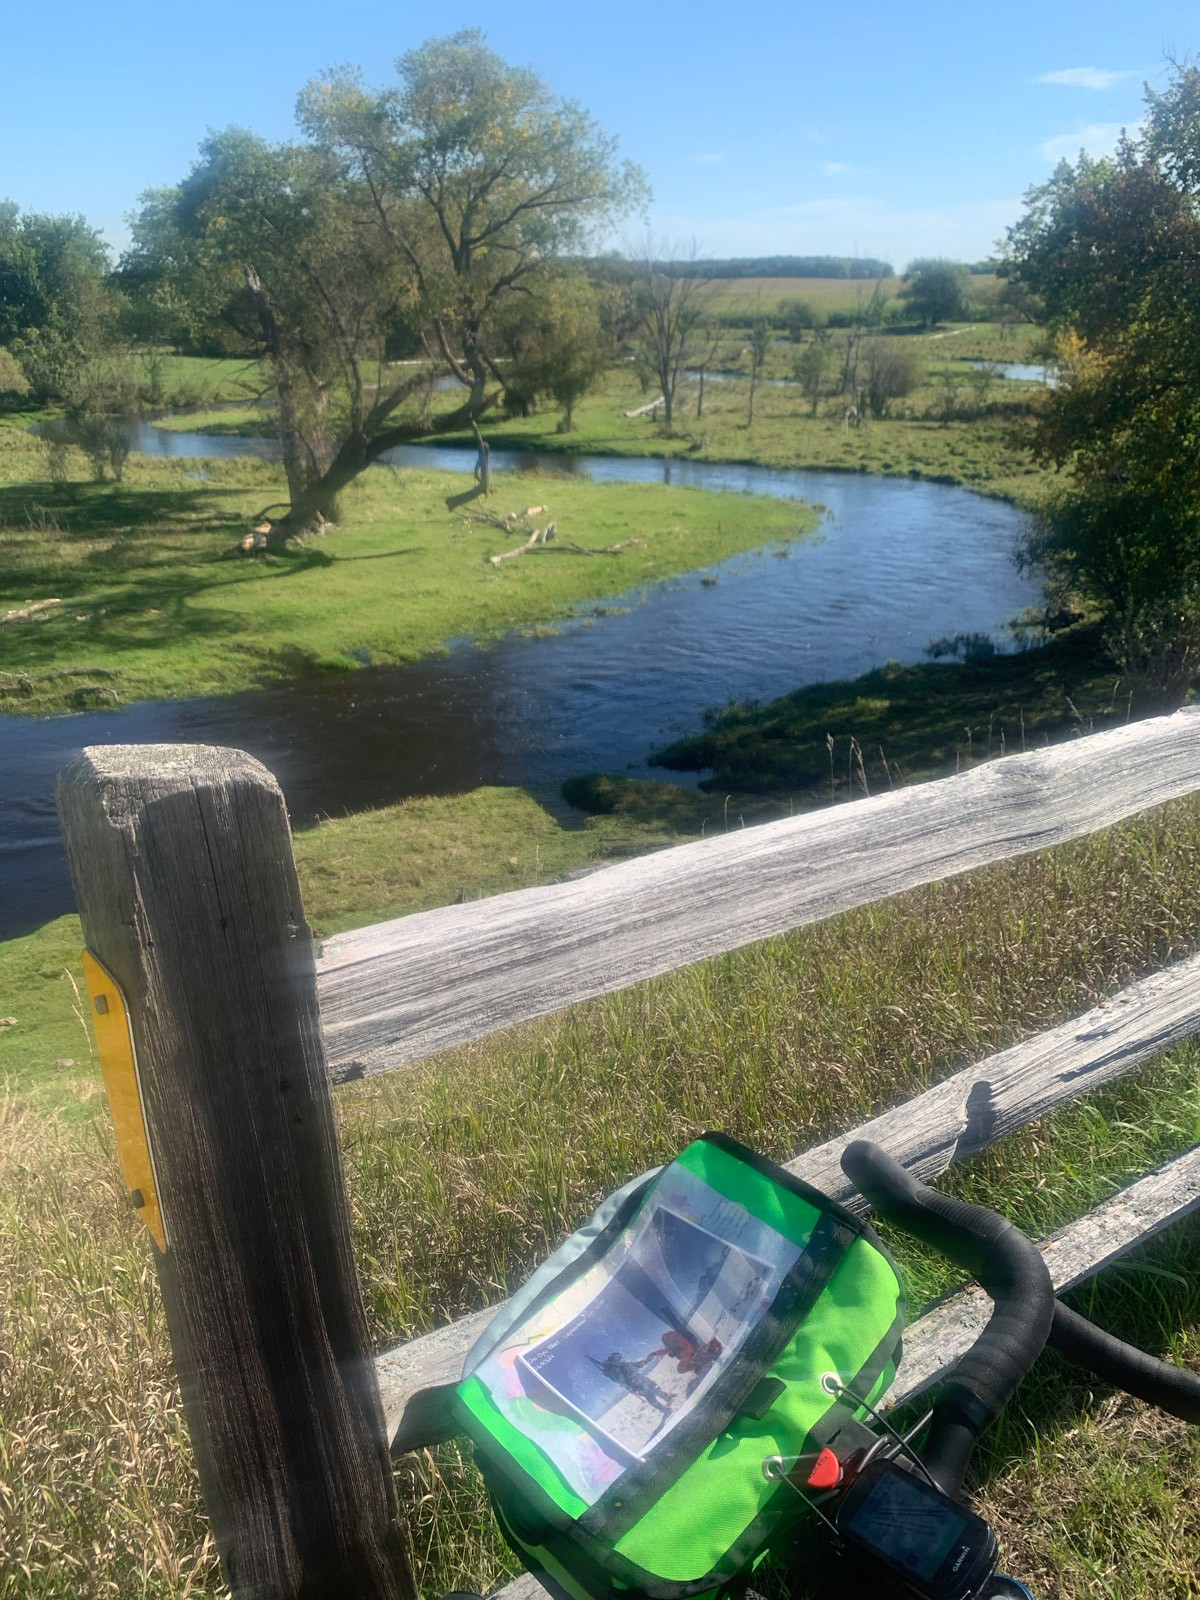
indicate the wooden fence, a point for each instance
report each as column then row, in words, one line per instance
column 183, row 870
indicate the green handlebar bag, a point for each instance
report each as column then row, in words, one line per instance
column 710, row 1316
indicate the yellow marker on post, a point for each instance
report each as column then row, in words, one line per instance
column 119, row 1065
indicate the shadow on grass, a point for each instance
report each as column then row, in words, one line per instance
column 149, row 579
column 379, row 555
column 91, row 510
column 1147, row 1299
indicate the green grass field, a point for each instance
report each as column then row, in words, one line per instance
column 982, row 450
column 154, row 600
column 956, row 427
column 170, row 380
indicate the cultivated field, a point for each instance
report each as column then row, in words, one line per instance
column 766, row 294
column 828, row 294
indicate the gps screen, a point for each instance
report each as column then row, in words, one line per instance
column 907, row 1524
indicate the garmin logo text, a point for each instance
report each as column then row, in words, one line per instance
column 962, row 1556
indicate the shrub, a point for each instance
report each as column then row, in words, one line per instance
column 595, row 792
column 893, row 371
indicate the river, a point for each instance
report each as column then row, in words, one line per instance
column 896, row 563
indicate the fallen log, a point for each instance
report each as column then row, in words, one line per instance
column 506, row 523
column 34, row 609
column 651, row 405
column 546, row 541
column 536, row 540
column 521, row 549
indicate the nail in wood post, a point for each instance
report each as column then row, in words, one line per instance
column 182, row 864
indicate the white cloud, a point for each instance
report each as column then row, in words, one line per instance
column 1098, row 139
column 835, row 169
column 715, row 159
column 1084, row 77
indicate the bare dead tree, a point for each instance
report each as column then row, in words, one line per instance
column 673, row 302
column 705, row 356
column 760, row 344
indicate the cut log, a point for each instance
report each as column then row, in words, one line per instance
column 36, row 608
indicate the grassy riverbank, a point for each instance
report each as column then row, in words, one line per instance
column 987, row 453
column 905, row 724
column 944, row 432
column 145, row 596
column 458, row 1186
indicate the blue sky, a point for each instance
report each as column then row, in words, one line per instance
column 883, row 130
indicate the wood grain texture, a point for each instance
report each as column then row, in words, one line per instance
column 182, row 864
column 937, row 1340
column 398, row 991
column 980, row 1104
column 928, row 1133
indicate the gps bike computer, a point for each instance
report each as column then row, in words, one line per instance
column 894, row 1519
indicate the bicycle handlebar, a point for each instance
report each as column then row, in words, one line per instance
column 1011, row 1270
column 1172, row 1389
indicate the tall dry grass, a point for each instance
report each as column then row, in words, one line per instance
column 97, row 1491
column 464, row 1171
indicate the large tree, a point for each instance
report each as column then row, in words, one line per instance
column 181, row 288
column 1112, row 250
column 57, row 306
column 414, row 214
column 936, row 290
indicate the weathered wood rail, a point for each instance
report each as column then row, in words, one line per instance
column 186, row 885
column 402, row 990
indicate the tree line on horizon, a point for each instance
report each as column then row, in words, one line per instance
column 855, row 267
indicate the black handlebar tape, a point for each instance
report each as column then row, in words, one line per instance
column 1172, row 1389
column 1006, row 1263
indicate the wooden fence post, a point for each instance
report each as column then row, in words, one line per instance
column 183, row 870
